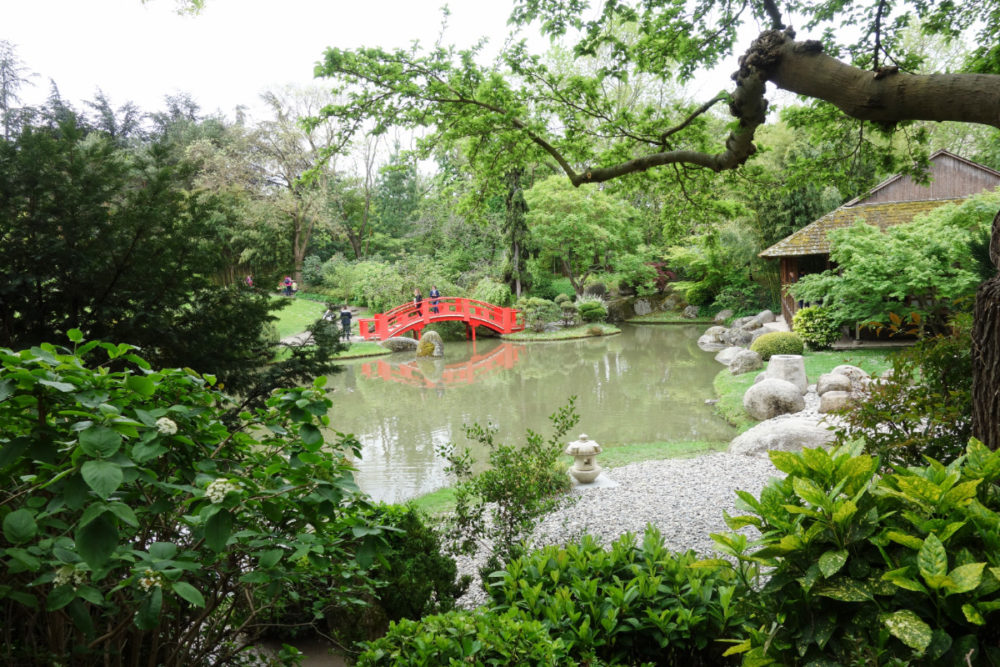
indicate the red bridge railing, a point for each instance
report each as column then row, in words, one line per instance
column 409, row 317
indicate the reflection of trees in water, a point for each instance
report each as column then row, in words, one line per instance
column 639, row 386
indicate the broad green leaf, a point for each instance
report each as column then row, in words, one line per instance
column 59, row 597
column 932, row 558
column 910, row 541
column 960, row 494
column 104, row 477
column 843, row 510
column 74, row 335
column 808, row 491
column 787, row 462
column 972, row 614
column 141, row 385
column 857, row 471
column 908, row 628
column 93, row 511
column 845, row 590
column 125, row 513
column 831, row 562
column 64, row 387
column 162, row 550
column 148, row 615
column 217, row 530
column 268, row 559
column 143, row 452
column 737, row 522
column 919, row 488
column 96, row 541
column 818, row 459
column 19, row 526
column 189, row 593
column 310, row 435
column 966, row 577
column 900, row 578
column 100, row 441
column 12, row 450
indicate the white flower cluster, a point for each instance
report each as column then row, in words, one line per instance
column 150, row 579
column 217, row 490
column 67, row 574
column 166, row 426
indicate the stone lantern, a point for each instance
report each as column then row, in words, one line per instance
column 584, row 451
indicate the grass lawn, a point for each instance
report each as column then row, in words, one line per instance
column 297, row 315
column 730, row 388
column 579, row 331
column 668, row 317
column 364, row 349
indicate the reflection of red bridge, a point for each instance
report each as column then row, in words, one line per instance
column 410, row 317
column 504, row 356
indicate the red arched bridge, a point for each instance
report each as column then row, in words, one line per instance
column 414, row 317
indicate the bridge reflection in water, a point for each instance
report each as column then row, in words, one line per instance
column 433, row 372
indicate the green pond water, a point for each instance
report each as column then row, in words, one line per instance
column 647, row 384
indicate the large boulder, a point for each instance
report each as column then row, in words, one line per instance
column 764, row 317
column 690, row 312
column 434, row 339
column 788, row 367
column 715, row 333
column 642, row 307
column 858, row 376
column 723, row 315
column 740, row 321
column 783, row 434
column 771, row 398
column 726, row 356
column 832, row 382
column 735, row 336
column 399, row 344
column 710, row 344
column 744, row 362
column 834, row 401
column 673, row 302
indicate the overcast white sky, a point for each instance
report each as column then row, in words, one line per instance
column 226, row 55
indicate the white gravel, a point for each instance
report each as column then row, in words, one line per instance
column 683, row 498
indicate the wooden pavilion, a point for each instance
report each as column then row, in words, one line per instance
column 894, row 201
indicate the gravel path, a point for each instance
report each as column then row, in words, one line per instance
column 684, row 498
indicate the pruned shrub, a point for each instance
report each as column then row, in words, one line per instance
column 777, row 342
column 595, row 331
column 492, row 291
column 563, row 298
column 474, row 638
column 631, row 603
column 816, row 327
column 869, row 568
column 593, row 311
column 598, row 289
column 569, row 312
column 539, row 312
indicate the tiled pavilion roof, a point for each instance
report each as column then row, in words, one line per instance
column 812, row 239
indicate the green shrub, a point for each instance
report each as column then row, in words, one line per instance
column 896, row 569
column 538, row 312
column 628, row 604
column 494, row 292
column 142, row 518
column 922, row 409
column 596, row 288
column 563, row 298
column 595, row 331
column 593, row 311
column 816, row 327
column 458, row 638
column 521, row 484
column 569, row 312
column 777, row 342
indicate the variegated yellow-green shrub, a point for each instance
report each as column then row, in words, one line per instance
column 863, row 569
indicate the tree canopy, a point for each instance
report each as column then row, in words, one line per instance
column 524, row 106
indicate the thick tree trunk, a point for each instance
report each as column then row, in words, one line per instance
column 986, row 353
column 885, row 96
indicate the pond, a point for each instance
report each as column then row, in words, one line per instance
column 647, row 384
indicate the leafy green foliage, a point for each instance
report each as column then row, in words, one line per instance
column 629, row 604
column 921, row 267
column 481, row 638
column 593, row 311
column 922, row 408
column 863, row 569
column 137, row 521
column 522, row 483
column 815, row 327
column 538, row 312
column 491, row 291
column 777, row 342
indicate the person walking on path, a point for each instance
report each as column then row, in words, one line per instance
column 345, row 322
column 434, row 294
column 288, row 285
column 417, row 298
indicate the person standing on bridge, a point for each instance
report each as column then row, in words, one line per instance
column 417, row 298
column 434, row 294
